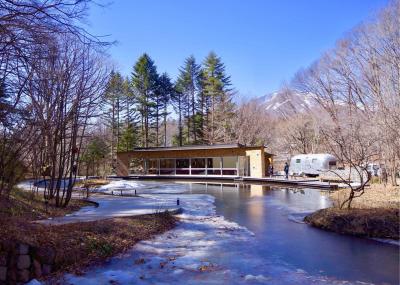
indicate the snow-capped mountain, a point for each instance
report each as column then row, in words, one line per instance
column 286, row 103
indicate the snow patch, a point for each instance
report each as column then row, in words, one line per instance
column 33, row 282
column 259, row 278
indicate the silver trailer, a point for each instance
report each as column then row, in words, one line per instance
column 312, row 164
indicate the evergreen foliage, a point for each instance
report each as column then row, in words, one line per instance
column 96, row 152
column 200, row 100
column 144, row 82
column 218, row 99
column 189, row 84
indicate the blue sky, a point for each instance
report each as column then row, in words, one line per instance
column 262, row 42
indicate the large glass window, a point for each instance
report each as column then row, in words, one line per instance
column 167, row 163
column 182, row 163
column 198, row 162
column 198, row 166
column 214, row 162
column 229, row 162
column 136, row 166
column 229, row 165
column 214, row 166
column 182, row 166
column 167, row 166
column 152, row 166
column 213, row 171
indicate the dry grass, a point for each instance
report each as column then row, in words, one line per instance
column 91, row 183
column 76, row 245
column 375, row 196
column 81, row 244
column 30, row 206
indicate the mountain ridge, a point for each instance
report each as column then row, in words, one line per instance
column 285, row 103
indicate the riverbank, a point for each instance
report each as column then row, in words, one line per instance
column 373, row 223
column 29, row 206
column 375, row 214
column 32, row 250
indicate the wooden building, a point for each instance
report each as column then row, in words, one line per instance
column 199, row 160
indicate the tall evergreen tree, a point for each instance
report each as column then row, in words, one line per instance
column 115, row 92
column 177, row 103
column 217, row 91
column 144, row 83
column 129, row 134
column 128, row 138
column 190, row 86
column 166, row 92
column 94, row 155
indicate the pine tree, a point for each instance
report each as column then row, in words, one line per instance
column 144, row 83
column 165, row 91
column 190, row 86
column 217, row 93
column 128, row 138
column 115, row 92
column 177, row 102
column 94, row 155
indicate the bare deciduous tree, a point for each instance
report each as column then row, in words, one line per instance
column 252, row 124
column 357, row 84
column 44, row 50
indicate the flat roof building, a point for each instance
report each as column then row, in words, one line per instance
column 199, row 160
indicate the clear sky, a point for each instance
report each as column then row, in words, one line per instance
column 262, row 42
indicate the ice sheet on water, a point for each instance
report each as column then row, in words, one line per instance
column 121, row 184
column 180, row 253
column 33, row 282
column 149, row 187
column 298, row 217
column 389, row 241
column 25, row 185
column 115, row 206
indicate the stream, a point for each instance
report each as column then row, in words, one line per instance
column 244, row 234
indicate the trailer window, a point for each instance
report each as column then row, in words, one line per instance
column 298, row 160
column 332, row 164
column 314, row 160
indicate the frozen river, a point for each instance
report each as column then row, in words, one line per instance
column 244, row 234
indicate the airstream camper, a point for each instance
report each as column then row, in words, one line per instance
column 312, row 164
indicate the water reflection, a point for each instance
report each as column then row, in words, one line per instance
column 266, row 211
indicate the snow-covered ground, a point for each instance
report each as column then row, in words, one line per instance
column 29, row 185
column 129, row 187
column 155, row 200
column 114, row 206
